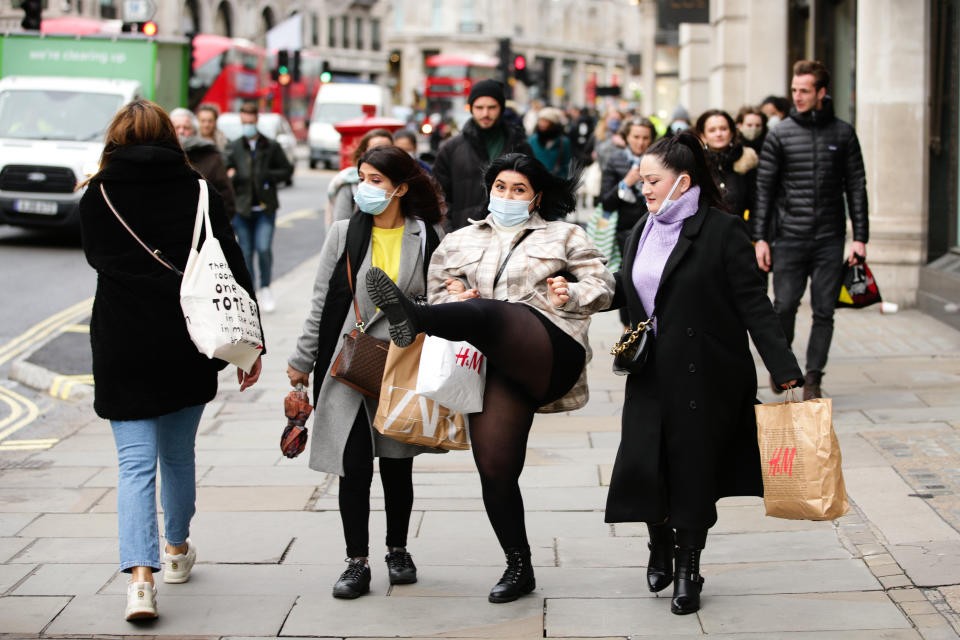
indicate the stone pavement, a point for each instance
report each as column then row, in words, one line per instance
column 271, row 546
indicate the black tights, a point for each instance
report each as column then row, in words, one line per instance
column 528, row 366
column 396, row 474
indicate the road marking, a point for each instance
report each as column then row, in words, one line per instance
column 63, row 385
column 23, row 411
column 302, row 214
column 42, row 329
column 76, row 328
column 28, row 445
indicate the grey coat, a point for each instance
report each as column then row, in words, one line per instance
column 338, row 404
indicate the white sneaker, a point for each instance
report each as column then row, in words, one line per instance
column 265, row 297
column 176, row 569
column 141, row 601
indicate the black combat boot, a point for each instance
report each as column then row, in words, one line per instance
column 517, row 579
column 688, row 582
column 660, row 564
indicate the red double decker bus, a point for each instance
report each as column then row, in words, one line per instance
column 227, row 72
column 450, row 78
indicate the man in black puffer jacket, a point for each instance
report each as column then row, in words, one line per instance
column 810, row 161
column 462, row 159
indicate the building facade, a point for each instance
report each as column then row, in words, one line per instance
column 894, row 69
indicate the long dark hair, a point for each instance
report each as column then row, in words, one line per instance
column 558, row 195
column 683, row 153
column 422, row 199
column 701, row 125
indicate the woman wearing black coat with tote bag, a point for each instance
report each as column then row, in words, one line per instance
column 689, row 434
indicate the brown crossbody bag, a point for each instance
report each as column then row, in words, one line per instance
column 359, row 365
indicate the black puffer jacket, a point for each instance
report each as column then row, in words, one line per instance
column 459, row 169
column 813, row 160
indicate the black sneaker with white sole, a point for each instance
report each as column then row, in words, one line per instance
column 400, row 311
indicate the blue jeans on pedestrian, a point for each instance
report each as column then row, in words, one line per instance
column 255, row 233
column 171, row 439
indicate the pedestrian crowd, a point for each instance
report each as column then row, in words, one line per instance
column 475, row 248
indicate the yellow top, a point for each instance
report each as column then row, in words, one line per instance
column 386, row 250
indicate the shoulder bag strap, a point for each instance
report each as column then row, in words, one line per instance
column 503, row 265
column 356, row 307
column 156, row 253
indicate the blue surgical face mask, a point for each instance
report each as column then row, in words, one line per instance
column 371, row 199
column 667, row 202
column 249, row 130
column 507, row 212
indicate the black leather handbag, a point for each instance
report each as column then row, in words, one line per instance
column 631, row 351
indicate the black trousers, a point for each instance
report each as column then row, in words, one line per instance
column 396, row 474
column 820, row 261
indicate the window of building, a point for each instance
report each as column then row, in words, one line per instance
column 398, row 15
column 375, row 34
column 345, row 24
column 332, row 33
column 314, row 29
column 437, row 20
column 359, row 22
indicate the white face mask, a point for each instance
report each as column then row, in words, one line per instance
column 750, row 133
column 772, row 121
column 667, row 201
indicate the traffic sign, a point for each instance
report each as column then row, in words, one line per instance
column 138, row 10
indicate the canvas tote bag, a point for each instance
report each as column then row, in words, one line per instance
column 408, row 417
column 221, row 316
column 800, row 460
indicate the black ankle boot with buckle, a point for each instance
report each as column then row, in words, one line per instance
column 355, row 581
column 517, row 579
column 660, row 564
column 688, row 582
column 400, row 566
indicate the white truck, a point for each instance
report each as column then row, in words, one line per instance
column 51, row 138
column 336, row 102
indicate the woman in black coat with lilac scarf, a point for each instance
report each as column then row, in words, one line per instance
column 689, row 430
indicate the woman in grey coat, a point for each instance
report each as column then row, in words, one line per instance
column 396, row 229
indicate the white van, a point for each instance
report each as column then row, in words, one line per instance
column 336, row 102
column 51, row 138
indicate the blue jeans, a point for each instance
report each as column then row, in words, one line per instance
column 256, row 234
column 140, row 443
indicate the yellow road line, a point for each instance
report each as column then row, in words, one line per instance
column 44, row 328
column 24, row 447
column 76, row 328
column 28, row 412
column 25, row 442
column 300, row 214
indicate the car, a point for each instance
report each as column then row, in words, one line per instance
column 272, row 125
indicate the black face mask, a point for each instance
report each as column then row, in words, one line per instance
column 552, row 133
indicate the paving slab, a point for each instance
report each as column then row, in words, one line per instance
column 946, row 413
column 65, row 477
column 929, row 564
column 101, row 458
column 68, row 580
column 232, row 499
column 28, row 614
column 11, row 574
column 872, row 399
column 179, row 615
column 542, row 525
column 460, row 617
column 12, row 523
column 578, row 424
column 633, row 617
column 800, row 612
column 48, row 500
column 71, row 551
column 10, row 547
column 805, row 576
column 75, row 525
column 237, row 476
column 752, row 519
column 885, row 500
column 243, row 458
column 552, row 582
column 721, row 549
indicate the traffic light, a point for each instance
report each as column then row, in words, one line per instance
column 149, row 28
column 31, row 14
column 505, row 59
column 295, row 69
column 520, row 71
column 325, row 75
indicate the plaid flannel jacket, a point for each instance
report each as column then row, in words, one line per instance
column 472, row 255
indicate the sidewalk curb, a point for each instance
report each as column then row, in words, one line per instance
column 59, row 386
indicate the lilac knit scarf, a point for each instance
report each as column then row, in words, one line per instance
column 657, row 241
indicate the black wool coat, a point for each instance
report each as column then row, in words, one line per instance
column 144, row 362
column 689, row 434
column 459, row 169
